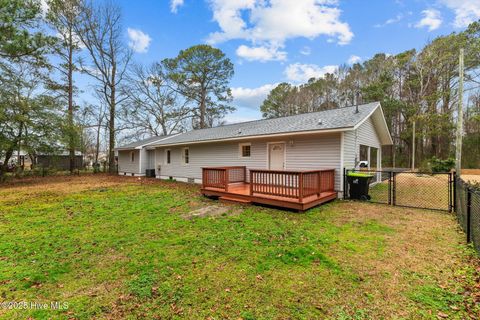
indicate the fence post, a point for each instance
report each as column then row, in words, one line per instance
column 469, row 214
column 394, row 189
column 455, row 191
column 450, row 192
column 389, row 187
column 345, row 183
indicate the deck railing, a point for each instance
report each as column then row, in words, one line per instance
column 281, row 183
column 291, row 184
column 221, row 177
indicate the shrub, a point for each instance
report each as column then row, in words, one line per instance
column 439, row 165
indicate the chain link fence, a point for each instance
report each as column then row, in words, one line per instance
column 406, row 188
column 467, row 208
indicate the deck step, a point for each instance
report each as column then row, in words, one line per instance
column 235, row 200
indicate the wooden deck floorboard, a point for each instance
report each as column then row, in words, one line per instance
column 241, row 191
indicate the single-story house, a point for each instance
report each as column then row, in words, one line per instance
column 134, row 159
column 331, row 139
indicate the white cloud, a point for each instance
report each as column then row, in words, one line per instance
column 139, row 41
column 306, row 51
column 354, row 59
column 396, row 19
column 251, row 98
column 298, row 72
column 466, row 11
column 174, row 4
column 432, row 19
column 262, row 54
column 238, row 117
column 271, row 23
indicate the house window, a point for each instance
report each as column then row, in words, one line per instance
column 186, row 156
column 132, row 156
column 167, row 156
column 245, row 150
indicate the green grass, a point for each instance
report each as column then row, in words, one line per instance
column 124, row 251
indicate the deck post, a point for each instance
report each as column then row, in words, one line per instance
column 226, row 178
column 300, row 187
column 319, row 185
column 251, row 182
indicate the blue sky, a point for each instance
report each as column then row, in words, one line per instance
column 270, row 41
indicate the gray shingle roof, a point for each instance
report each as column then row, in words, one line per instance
column 140, row 143
column 315, row 121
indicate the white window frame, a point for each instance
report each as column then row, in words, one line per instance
column 132, row 156
column 240, row 150
column 183, row 156
column 166, row 156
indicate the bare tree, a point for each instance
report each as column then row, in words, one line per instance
column 101, row 32
column 155, row 107
column 63, row 18
column 94, row 120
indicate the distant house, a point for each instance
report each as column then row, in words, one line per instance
column 332, row 139
column 59, row 161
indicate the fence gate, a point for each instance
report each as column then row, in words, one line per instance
column 409, row 189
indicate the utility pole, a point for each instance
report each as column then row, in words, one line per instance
column 458, row 150
column 413, row 146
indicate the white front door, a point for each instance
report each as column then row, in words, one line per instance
column 276, row 156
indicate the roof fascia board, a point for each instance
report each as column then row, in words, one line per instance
column 386, row 127
column 384, row 122
column 295, row 133
column 366, row 117
column 147, row 144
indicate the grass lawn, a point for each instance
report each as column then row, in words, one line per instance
column 117, row 247
column 417, row 190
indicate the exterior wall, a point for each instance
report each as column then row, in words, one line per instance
column 366, row 135
column 308, row 152
column 144, row 160
column 150, row 159
column 126, row 166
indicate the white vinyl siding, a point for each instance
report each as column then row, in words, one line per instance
column 125, row 164
column 312, row 152
column 365, row 135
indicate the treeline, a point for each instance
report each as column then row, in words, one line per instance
column 46, row 46
column 418, row 87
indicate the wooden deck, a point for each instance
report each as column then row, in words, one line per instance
column 299, row 190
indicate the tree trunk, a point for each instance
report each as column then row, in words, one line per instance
column 111, row 134
column 71, row 146
column 97, row 143
column 202, row 110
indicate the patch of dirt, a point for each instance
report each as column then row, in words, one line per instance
column 62, row 185
column 209, row 211
column 409, row 253
column 472, row 178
